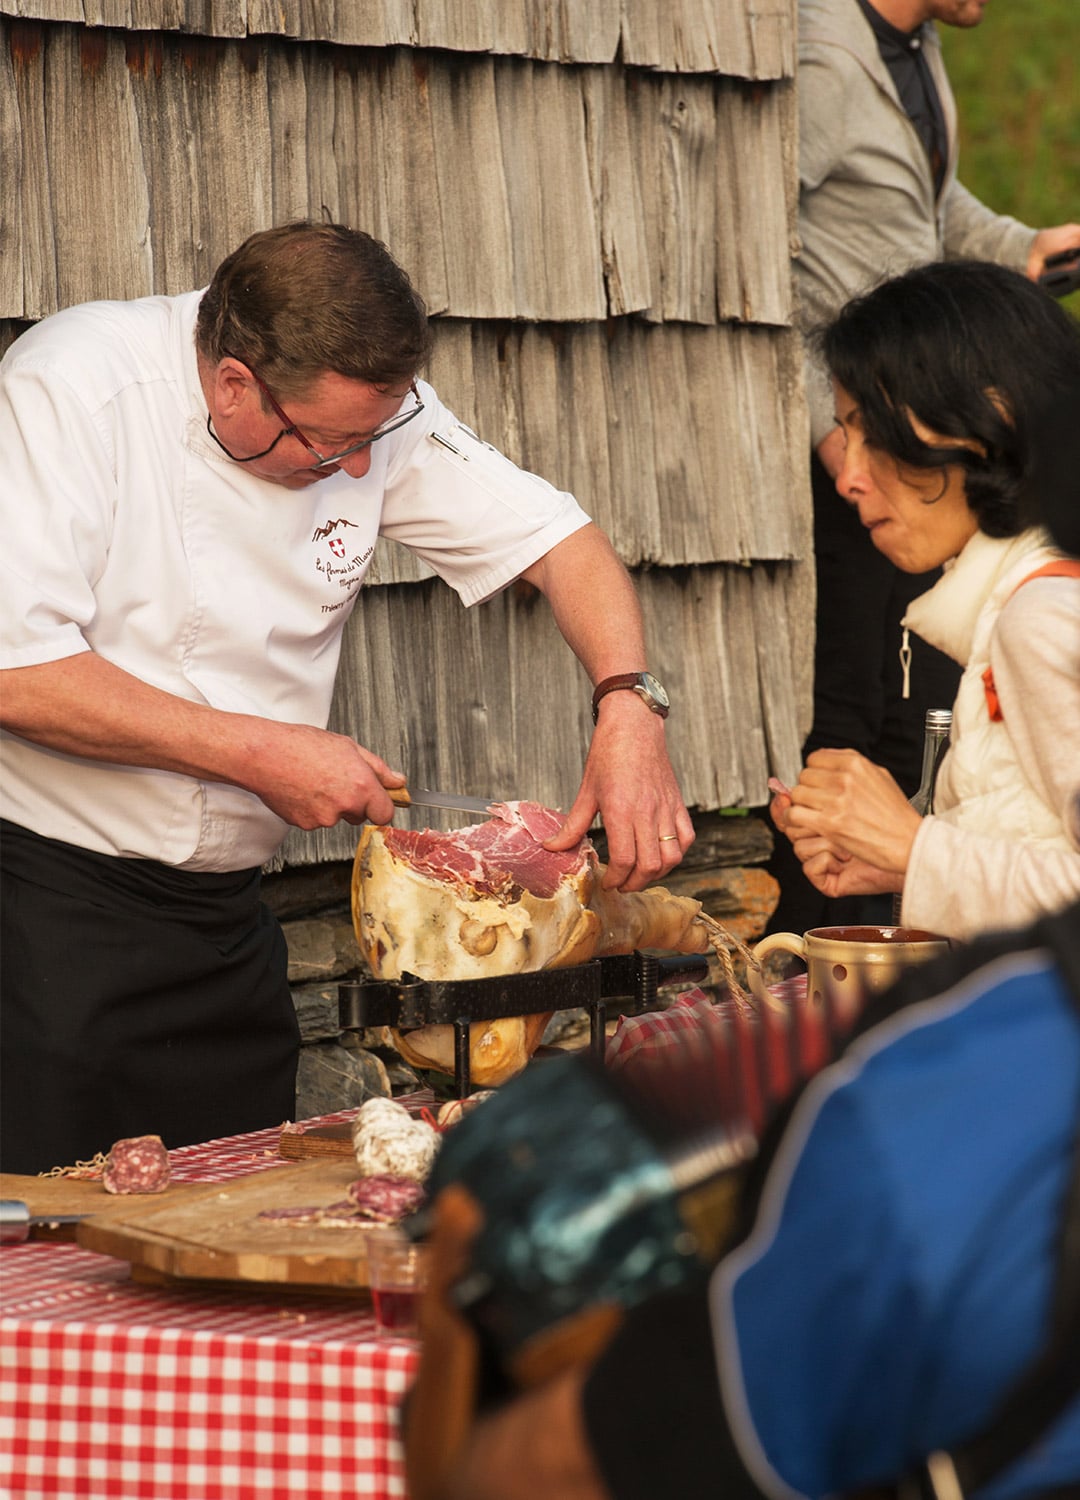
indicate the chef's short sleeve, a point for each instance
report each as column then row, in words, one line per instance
column 474, row 516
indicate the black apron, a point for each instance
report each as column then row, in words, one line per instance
column 135, row 999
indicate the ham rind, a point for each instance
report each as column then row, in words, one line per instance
column 496, row 857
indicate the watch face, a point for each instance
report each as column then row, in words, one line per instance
column 655, row 689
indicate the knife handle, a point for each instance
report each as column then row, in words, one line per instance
column 399, row 796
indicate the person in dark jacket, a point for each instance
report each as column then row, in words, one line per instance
column 901, row 1270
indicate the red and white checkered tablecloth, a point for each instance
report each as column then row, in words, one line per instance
column 655, row 1031
column 111, row 1390
column 746, row 1060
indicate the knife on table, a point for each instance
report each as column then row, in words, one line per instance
column 18, row 1224
column 402, row 796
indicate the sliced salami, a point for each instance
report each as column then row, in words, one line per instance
column 385, row 1199
column 371, row 1200
column 137, row 1164
column 307, row 1215
column 341, row 1215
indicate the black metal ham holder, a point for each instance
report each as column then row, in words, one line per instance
column 631, row 978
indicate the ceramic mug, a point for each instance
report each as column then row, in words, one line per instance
column 851, row 962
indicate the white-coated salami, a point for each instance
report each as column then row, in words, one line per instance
column 389, row 1142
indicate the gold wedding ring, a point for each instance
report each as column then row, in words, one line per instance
column 663, row 837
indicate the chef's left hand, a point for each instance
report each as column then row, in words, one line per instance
column 629, row 781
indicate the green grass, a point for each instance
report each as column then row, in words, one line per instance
column 1017, row 83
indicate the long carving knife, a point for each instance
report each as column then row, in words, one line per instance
column 18, row 1224
column 402, row 796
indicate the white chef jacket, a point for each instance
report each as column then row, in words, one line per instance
column 128, row 532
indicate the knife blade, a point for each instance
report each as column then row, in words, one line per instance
column 18, row 1224
column 402, row 796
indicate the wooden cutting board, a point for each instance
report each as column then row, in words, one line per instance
column 215, row 1234
column 72, row 1195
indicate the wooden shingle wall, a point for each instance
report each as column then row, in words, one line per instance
column 597, row 200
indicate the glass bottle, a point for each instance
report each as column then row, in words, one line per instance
column 937, row 725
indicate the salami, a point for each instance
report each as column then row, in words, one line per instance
column 137, row 1164
column 389, row 1142
column 341, row 1215
column 371, row 1201
column 385, row 1199
column 307, row 1214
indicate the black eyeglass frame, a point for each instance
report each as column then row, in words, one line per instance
column 290, row 429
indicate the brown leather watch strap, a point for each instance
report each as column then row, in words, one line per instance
column 624, row 680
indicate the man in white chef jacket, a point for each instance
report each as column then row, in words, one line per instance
column 193, row 489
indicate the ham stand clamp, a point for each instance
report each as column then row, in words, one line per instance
column 632, row 978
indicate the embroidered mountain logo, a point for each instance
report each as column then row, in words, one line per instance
column 324, row 531
column 346, row 572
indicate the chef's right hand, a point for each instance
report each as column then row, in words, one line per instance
column 313, row 778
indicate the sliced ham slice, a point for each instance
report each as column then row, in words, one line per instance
column 494, row 858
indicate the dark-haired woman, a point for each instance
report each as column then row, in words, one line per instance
column 941, row 377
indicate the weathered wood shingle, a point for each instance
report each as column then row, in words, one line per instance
column 510, row 189
column 744, row 38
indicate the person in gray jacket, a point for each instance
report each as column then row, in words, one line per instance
column 879, row 194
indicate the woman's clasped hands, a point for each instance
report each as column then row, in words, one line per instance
column 849, row 823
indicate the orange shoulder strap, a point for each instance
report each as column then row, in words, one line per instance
column 1062, row 567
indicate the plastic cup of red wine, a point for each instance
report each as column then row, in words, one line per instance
column 397, row 1268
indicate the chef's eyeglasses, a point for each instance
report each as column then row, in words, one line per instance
column 290, row 428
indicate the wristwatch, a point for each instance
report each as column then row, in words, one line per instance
column 644, row 684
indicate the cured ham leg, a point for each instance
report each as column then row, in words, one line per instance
column 490, row 900
column 484, row 900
